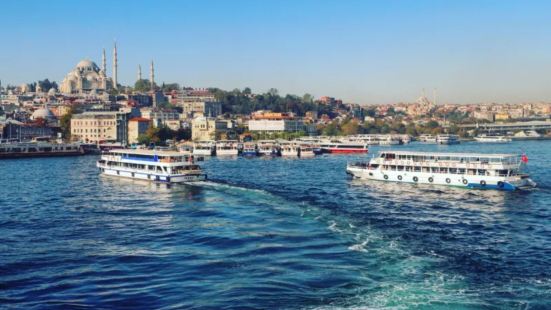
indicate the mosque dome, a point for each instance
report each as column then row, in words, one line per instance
column 87, row 65
column 51, row 92
column 43, row 113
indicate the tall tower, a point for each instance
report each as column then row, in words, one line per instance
column 115, row 66
column 139, row 72
column 152, row 76
column 104, row 63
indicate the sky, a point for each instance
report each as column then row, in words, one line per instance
column 367, row 52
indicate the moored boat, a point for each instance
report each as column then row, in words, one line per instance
column 447, row 139
column 492, row 139
column 40, row 149
column 306, row 150
column 482, row 171
column 151, row 165
column 249, row 149
column 227, row 148
column 204, row 149
column 344, row 147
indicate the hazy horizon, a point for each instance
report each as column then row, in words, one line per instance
column 359, row 51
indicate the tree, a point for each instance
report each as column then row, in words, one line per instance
column 170, row 87
column 65, row 123
column 351, row 127
column 142, row 85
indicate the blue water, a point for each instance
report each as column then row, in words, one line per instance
column 271, row 233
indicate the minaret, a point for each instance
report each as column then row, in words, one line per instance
column 152, row 77
column 103, row 62
column 115, row 66
column 139, row 72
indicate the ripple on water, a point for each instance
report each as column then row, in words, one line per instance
column 269, row 234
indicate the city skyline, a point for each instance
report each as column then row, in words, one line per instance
column 362, row 52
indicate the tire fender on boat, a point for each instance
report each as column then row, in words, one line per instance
column 400, row 177
column 465, row 181
column 431, row 179
column 385, row 177
column 483, row 183
column 415, row 179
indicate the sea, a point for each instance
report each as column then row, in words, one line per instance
column 272, row 233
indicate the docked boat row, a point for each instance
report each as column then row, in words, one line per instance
column 296, row 148
column 481, row 171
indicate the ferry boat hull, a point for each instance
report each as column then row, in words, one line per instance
column 151, row 165
column 345, row 151
column 231, row 152
column 152, row 177
column 465, row 181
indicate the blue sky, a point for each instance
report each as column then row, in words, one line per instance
column 361, row 51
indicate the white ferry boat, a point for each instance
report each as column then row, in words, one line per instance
column 151, row 165
column 39, row 149
column 447, row 139
column 427, row 139
column 204, row 148
column 492, row 139
column 483, row 171
column 227, row 148
column 344, row 147
column 306, row 150
column 268, row 148
column 249, row 149
column 289, row 150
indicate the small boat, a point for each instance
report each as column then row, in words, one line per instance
column 468, row 170
column 151, row 165
column 492, row 139
column 249, row 149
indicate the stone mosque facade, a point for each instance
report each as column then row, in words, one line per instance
column 88, row 78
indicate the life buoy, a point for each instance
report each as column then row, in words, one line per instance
column 385, row 177
column 483, row 183
column 465, row 181
column 448, row 180
column 431, row 179
column 500, row 184
column 400, row 177
column 415, row 179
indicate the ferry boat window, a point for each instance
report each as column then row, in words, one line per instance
column 383, row 155
column 400, row 168
column 434, row 170
column 461, row 171
column 481, row 172
column 426, row 169
column 471, row 172
column 443, row 170
column 417, row 169
column 393, row 168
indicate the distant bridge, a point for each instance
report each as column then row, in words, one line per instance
column 509, row 127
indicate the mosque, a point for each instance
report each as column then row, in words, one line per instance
column 88, row 78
